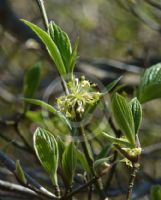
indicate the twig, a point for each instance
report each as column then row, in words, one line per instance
column 46, row 24
column 8, row 186
column 131, row 182
column 31, row 183
column 90, row 188
column 112, row 171
column 43, row 13
column 89, row 159
column 90, row 182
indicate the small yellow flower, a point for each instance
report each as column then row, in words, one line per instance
column 134, row 152
column 81, row 94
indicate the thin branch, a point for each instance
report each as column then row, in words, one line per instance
column 84, row 144
column 90, row 182
column 131, row 182
column 112, row 171
column 43, row 13
column 46, row 24
column 31, row 183
column 8, row 186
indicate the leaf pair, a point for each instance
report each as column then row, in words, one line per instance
column 49, row 152
column 58, row 46
column 62, row 42
column 127, row 116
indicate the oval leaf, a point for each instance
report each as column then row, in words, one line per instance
column 47, row 152
column 123, row 116
column 136, row 112
column 150, row 84
column 50, row 45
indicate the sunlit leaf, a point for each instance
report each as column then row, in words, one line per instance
column 69, row 161
column 123, row 116
column 104, row 151
column 31, row 81
column 150, row 84
column 46, row 149
column 111, row 85
column 61, row 147
column 136, row 112
column 50, row 109
column 119, row 141
column 62, row 42
column 50, row 45
column 74, row 57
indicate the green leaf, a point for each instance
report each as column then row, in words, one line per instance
column 42, row 104
column 62, row 42
column 123, row 116
column 50, row 109
column 150, row 84
column 61, row 147
column 46, row 149
column 74, row 57
column 69, row 161
column 83, row 161
column 20, row 173
column 119, row 141
column 156, row 192
column 111, row 85
column 136, row 112
column 101, row 164
column 50, row 45
column 31, row 81
column 104, row 152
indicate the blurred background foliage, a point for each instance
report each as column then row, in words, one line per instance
column 110, row 29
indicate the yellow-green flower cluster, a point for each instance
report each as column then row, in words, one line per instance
column 81, row 94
